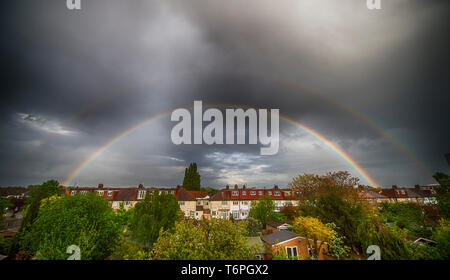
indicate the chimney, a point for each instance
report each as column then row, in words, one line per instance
column 100, row 186
column 141, row 186
column 227, row 187
column 417, row 187
column 275, row 187
column 243, row 187
column 394, row 187
column 178, row 187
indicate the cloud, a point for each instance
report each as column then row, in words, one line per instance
column 41, row 123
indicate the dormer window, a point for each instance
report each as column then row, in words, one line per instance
column 244, row 193
column 260, row 192
column 252, row 193
column 235, row 193
column 141, row 194
column 110, row 193
column 270, row 193
column 277, row 193
column 100, row 192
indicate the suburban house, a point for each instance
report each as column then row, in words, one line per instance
column 291, row 245
column 274, row 226
column 237, row 202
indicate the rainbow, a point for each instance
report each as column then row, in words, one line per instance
column 309, row 130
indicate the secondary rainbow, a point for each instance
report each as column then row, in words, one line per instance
column 309, row 130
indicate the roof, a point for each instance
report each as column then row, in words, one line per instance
column 184, row 195
column 198, row 194
column 276, row 223
column 126, row 194
column 279, row 236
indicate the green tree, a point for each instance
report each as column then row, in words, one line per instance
column 337, row 247
column 84, row 220
column 23, row 241
column 408, row 216
column 334, row 208
column 392, row 244
column 263, row 210
column 205, row 240
column 155, row 213
column 254, row 227
column 191, row 179
column 443, row 193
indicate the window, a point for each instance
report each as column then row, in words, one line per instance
column 83, row 192
column 224, row 214
column 245, row 202
column 73, row 192
column 310, row 252
column 114, row 204
column 224, row 202
column 192, row 213
column 235, row 202
column 236, row 214
column 235, row 193
column 181, row 202
column 206, row 202
column 141, row 194
column 252, row 193
column 213, row 213
column 260, row 192
column 127, row 203
column 277, row 193
column 101, row 192
column 291, row 251
column 110, row 193
column 270, row 193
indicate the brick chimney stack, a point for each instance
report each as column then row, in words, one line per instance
column 100, row 186
column 394, row 187
column 243, row 187
column 227, row 187
column 275, row 187
column 417, row 187
column 141, row 186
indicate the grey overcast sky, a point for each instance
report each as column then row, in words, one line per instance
column 73, row 80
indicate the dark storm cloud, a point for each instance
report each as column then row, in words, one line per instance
column 72, row 80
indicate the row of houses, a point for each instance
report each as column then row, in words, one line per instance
column 418, row 194
column 226, row 203
column 236, row 202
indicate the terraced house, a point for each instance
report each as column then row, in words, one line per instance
column 237, row 202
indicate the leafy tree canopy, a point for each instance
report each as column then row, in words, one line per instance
column 191, row 181
column 155, row 213
column 205, row 240
column 84, row 220
column 263, row 210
